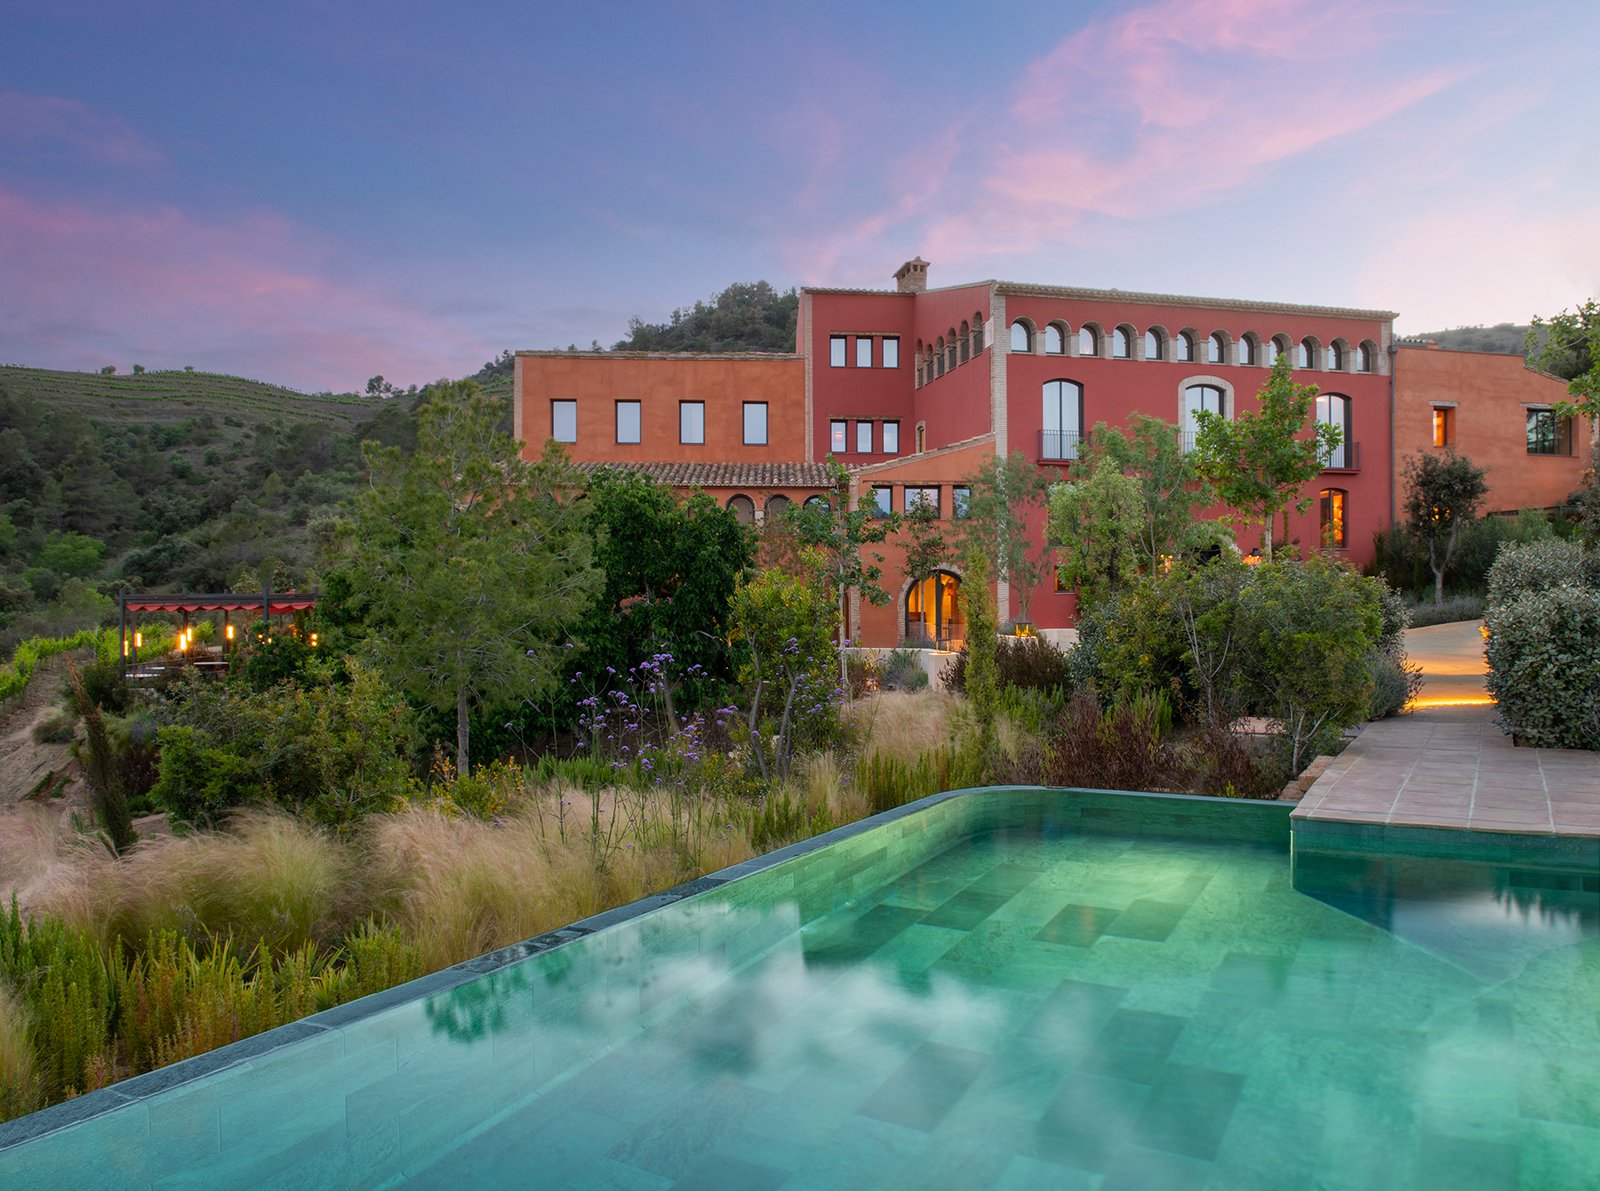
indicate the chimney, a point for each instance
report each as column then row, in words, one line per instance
column 912, row 277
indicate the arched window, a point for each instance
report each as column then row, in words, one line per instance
column 977, row 331
column 922, row 437
column 1088, row 341
column 966, row 343
column 1365, row 355
column 775, row 505
column 744, row 509
column 1304, row 354
column 938, row 357
column 920, row 364
column 1331, row 518
column 1021, row 337
column 933, row 612
column 1247, row 349
column 1277, row 346
column 1121, row 344
column 1333, row 409
column 1152, row 345
column 1197, row 398
column 950, row 338
column 1217, row 348
column 818, row 502
column 1062, row 430
column 1336, row 356
column 1055, row 342
column 1184, row 345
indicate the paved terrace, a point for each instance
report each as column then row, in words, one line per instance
column 1447, row 764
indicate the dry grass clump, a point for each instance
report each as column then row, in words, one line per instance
column 906, row 724
column 19, row 1082
column 38, row 849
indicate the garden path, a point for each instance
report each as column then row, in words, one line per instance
column 1447, row 764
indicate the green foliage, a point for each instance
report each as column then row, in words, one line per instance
column 1544, row 664
column 1442, row 497
column 744, row 317
column 1124, row 747
column 888, row 781
column 101, row 769
column 1021, row 664
column 331, row 751
column 982, row 670
column 71, row 554
column 1454, row 608
column 1005, row 492
column 925, row 547
column 14, row 676
column 1568, row 345
column 1257, row 459
column 1536, row 567
column 471, row 562
column 59, row 975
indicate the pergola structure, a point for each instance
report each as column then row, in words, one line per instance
column 267, row 604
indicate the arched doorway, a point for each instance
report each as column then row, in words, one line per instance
column 743, row 508
column 933, row 613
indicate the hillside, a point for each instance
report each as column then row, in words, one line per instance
column 1508, row 339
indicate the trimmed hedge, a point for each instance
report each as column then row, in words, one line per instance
column 1544, row 666
column 1540, row 566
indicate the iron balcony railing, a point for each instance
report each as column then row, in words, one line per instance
column 1346, row 457
column 1061, row 444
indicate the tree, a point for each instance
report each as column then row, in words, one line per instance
column 983, row 667
column 926, row 549
column 1568, row 345
column 841, row 531
column 743, row 317
column 1257, row 460
column 1169, row 483
column 1004, row 492
column 470, row 559
column 1094, row 527
column 1442, row 497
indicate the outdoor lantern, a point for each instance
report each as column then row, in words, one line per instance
column 138, row 639
column 228, row 632
column 313, row 640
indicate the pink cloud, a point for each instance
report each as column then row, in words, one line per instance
column 48, row 119
column 81, row 286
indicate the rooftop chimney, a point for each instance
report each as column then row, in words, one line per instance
column 912, row 277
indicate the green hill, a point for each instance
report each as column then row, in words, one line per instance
column 1507, row 339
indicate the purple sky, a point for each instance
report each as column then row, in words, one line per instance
column 312, row 197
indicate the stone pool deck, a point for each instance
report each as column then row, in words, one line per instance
column 1450, row 766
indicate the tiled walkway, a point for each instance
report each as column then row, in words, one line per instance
column 1452, row 766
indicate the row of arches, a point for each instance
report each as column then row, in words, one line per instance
column 1064, row 424
column 744, row 507
column 1124, row 342
column 951, row 350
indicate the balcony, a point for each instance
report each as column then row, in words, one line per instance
column 1346, row 457
column 1060, row 445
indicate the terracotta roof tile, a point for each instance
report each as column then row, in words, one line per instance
column 724, row 475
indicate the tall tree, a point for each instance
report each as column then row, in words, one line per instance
column 1257, row 459
column 744, row 317
column 1006, row 491
column 843, row 534
column 1442, row 497
column 470, row 560
column 1568, row 345
column 926, row 548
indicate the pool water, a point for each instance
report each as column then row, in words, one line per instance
column 1024, row 1006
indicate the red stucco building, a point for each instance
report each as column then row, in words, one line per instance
column 913, row 387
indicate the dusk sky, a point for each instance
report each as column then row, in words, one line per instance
column 314, row 193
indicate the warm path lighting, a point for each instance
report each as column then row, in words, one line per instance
column 1420, row 702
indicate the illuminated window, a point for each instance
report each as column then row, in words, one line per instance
column 691, row 421
column 837, row 432
column 627, row 421
column 755, row 423
column 1330, row 503
column 1444, row 425
column 564, row 421
column 933, row 612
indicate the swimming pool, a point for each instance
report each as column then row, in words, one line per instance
column 1004, row 988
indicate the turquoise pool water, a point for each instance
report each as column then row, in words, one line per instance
column 996, row 993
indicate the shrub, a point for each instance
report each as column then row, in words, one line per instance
column 1395, row 683
column 19, row 1082
column 60, row 978
column 1544, row 658
column 1022, row 663
column 1121, row 748
column 1455, row 608
column 1224, row 764
column 1540, row 566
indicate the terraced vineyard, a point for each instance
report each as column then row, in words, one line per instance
column 176, row 395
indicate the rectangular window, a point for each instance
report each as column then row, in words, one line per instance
column 864, row 438
column 960, row 499
column 627, row 421
column 891, row 438
column 838, row 436
column 1061, row 584
column 1444, row 426
column 891, row 352
column 863, row 351
column 755, row 423
column 564, row 421
column 1331, row 513
column 691, row 421
column 836, row 350
column 883, row 499
column 923, row 498
column 1548, row 434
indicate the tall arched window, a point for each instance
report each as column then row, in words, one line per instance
column 1277, row 346
column 1333, row 409
column 1152, row 345
column 1217, row 348
column 1021, row 337
column 1201, row 397
column 1055, row 343
column 1364, row 356
column 1247, row 350
column 815, row 501
column 977, row 332
column 1336, row 356
column 920, row 362
column 1304, row 354
column 966, row 343
column 775, row 505
column 1088, row 341
column 1184, row 345
column 1331, row 518
column 1121, row 344
column 743, row 508
column 950, row 339
column 1063, row 420
column 933, row 612
column 938, row 357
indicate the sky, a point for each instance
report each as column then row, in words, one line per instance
column 313, row 194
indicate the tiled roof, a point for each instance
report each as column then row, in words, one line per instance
column 725, row 475
column 1117, row 295
column 686, row 356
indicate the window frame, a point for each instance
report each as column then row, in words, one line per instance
column 863, row 436
column 960, row 502
column 882, row 500
column 915, row 494
column 1055, row 340
column 1444, row 425
column 1069, row 394
column 838, row 351
column 1343, row 457
column 889, row 356
column 864, row 341
column 1183, row 349
column 683, row 408
column 890, row 437
column 1560, row 438
column 749, row 406
column 638, row 420
column 1026, row 349
column 838, row 436
column 562, row 403
column 1121, row 344
column 1333, row 509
